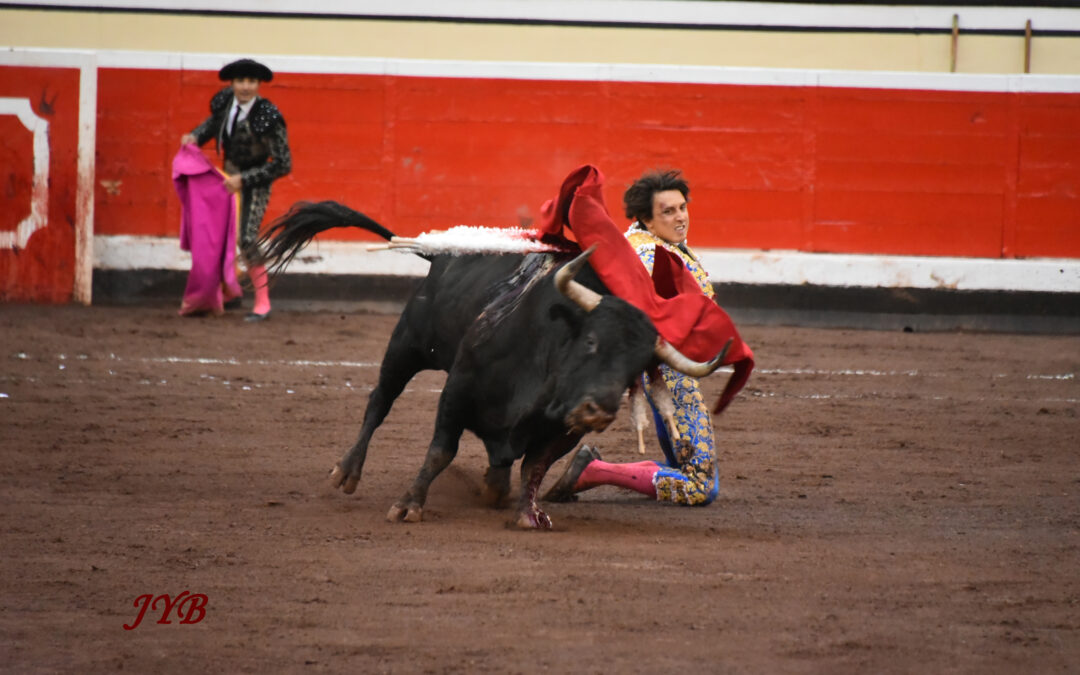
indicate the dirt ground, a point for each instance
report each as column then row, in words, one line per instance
column 890, row 503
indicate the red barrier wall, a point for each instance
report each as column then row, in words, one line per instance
column 43, row 271
column 987, row 174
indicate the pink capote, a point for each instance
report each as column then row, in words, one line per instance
column 208, row 230
column 684, row 316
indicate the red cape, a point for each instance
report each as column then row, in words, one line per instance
column 671, row 297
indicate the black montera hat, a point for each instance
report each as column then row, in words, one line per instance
column 245, row 68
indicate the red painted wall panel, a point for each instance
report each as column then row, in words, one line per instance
column 133, row 192
column 882, row 175
column 913, row 145
column 1048, row 225
column 773, row 167
column 1048, row 184
column 908, row 223
column 749, row 217
column 43, row 271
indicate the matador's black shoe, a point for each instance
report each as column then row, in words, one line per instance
column 252, row 317
column 563, row 490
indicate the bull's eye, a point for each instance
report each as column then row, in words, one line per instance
column 592, row 345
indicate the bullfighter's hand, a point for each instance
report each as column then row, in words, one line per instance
column 234, row 182
column 187, row 139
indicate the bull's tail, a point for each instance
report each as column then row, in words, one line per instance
column 289, row 234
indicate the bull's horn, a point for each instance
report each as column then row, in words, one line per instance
column 676, row 360
column 584, row 297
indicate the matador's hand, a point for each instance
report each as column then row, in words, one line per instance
column 234, row 182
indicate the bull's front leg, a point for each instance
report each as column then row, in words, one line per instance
column 410, row 507
column 534, row 467
column 497, row 486
column 443, row 449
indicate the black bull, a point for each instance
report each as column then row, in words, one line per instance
column 530, row 370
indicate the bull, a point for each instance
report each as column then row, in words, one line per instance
column 536, row 358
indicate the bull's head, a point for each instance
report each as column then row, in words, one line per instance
column 607, row 347
column 589, row 300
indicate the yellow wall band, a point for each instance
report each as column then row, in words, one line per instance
column 925, row 52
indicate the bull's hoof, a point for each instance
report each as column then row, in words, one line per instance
column 401, row 512
column 350, row 485
column 535, row 520
column 338, row 479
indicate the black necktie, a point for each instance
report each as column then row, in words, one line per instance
column 232, row 124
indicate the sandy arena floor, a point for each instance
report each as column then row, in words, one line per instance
column 891, row 503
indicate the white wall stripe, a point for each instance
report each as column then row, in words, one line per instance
column 587, row 72
column 1056, row 275
column 126, row 252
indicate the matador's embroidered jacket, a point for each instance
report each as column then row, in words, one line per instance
column 258, row 150
column 691, row 475
column 645, row 243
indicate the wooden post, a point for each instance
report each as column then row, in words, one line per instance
column 84, row 199
column 1027, row 47
column 955, row 42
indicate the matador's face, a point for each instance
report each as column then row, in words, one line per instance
column 245, row 89
column 670, row 217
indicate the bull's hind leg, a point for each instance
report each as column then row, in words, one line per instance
column 534, row 466
column 399, row 366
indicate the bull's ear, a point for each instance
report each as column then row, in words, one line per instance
column 571, row 316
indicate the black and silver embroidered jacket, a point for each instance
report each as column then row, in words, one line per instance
column 259, row 146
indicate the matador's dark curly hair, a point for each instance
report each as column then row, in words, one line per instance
column 638, row 198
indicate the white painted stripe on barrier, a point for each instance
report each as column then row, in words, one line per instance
column 1055, row 275
column 555, row 71
column 641, row 12
column 126, row 252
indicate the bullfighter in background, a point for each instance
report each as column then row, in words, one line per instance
column 250, row 131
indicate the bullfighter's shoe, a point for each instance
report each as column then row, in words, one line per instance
column 563, row 490
column 252, row 317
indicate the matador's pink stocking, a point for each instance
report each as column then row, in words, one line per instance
column 262, row 289
column 637, row 476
